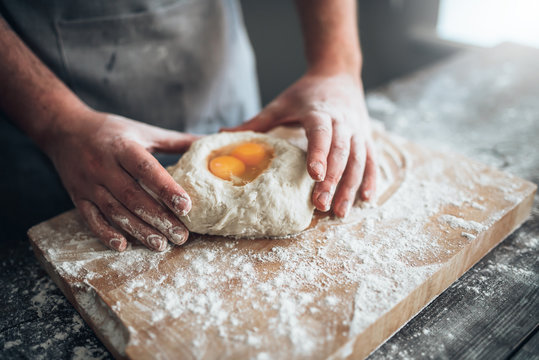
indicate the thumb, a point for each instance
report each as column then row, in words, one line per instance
column 169, row 141
column 260, row 123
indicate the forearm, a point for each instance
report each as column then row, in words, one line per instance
column 31, row 95
column 330, row 36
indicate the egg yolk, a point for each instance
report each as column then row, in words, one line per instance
column 227, row 167
column 251, row 154
column 240, row 163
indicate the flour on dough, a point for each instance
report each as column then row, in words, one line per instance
column 275, row 204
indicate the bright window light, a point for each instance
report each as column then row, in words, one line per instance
column 489, row 22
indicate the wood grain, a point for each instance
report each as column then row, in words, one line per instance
column 462, row 104
column 373, row 294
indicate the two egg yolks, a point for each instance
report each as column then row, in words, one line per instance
column 240, row 163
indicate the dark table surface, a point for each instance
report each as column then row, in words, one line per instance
column 481, row 103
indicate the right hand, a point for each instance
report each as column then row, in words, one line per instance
column 106, row 165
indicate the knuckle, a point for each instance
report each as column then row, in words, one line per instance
column 319, row 130
column 145, row 214
column 338, row 119
column 93, row 161
column 144, row 166
column 83, row 206
column 109, row 207
column 106, row 203
column 129, row 194
column 317, row 114
column 340, row 152
column 119, row 143
column 332, row 178
column 98, row 193
column 340, row 147
column 86, row 213
column 357, row 157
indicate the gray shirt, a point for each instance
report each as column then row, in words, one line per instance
column 180, row 64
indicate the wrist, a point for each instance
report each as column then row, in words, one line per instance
column 65, row 122
column 334, row 69
column 330, row 64
column 330, row 35
column 350, row 75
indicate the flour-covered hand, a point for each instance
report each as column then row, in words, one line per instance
column 340, row 154
column 118, row 187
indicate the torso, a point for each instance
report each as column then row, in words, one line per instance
column 180, row 64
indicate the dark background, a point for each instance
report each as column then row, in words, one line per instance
column 397, row 37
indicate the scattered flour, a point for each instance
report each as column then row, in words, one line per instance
column 42, row 327
column 468, row 235
column 459, row 223
column 10, row 344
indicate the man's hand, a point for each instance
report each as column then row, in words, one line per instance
column 340, row 156
column 103, row 160
column 106, row 166
column 329, row 103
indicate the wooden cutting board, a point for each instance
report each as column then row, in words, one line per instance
column 337, row 290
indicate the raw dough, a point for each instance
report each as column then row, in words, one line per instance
column 277, row 203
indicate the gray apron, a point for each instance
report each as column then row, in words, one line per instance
column 180, row 64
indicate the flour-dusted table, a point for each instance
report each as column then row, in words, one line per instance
column 482, row 104
column 485, row 105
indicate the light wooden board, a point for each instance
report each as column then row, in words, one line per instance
column 338, row 290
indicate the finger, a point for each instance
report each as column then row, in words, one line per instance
column 168, row 141
column 128, row 222
column 318, row 129
column 138, row 201
column 144, row 168
column 367, row 189
column 351, row 179
column 337, row 159
column 100, row 226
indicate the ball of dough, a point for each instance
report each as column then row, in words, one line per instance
column 275, row 204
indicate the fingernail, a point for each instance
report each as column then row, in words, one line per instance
column 117, row 244
column 182, row 204
column 157, row 242
column 177, row 233
column 323, row 199
column 318, row 170
column 344, row 208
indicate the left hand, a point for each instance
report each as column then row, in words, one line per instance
column 340, row 154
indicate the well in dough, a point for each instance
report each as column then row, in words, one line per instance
column 275, row 204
